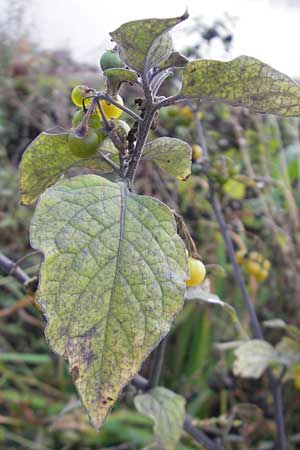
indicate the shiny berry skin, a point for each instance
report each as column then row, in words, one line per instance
column 111, row 111
column 84, row 145
column 197, row 272
column 79, row 93
column 110, row 60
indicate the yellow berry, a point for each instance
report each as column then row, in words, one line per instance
column 266, row 265
column 111, row 111
column 197, row 152
column 262, row 275
column 197, row 272
column 253, row 268
column 79, row 93
column 187, row 112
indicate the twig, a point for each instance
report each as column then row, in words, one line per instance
column 11, row 268
column 25, row 301
column 109, row 99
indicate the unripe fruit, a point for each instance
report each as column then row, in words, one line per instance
column 262, row 275
column 197, row 152
column 121, row 123
column 110, row 60
column 197, row 272
column 111, row 111
column 79, row 93
column 84, row 145
column 93, row 122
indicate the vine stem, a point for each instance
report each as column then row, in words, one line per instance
column 275, row 385
column 157, row 363
column 199, row 436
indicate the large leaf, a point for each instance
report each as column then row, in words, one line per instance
column 253, row 358
column 170, row 154
column 44, row 161
column 144, row 43
column 167, row 410
column 244, row 81
column 111, row 283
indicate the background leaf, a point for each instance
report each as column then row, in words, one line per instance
column 111, row 282
column 45, row 160
column 170, row 154
column 253, row 358
column 144, row 43
column 244, row 81
column 167, row 410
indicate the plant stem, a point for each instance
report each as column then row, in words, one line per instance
column 275, row 385
column 109, row 99
column 157, row 363
column 141, row 383
column 10, row 268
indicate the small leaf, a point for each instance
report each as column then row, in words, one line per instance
column 197, row 293
column 111, row 283
column 115, row 77
column 167, row 410
column 172, row 155
column 234, row 189
column 144, row 43
column 243, row 81
column 45, row 160
column 289, row 350
column 253, row 358
column 175, row 60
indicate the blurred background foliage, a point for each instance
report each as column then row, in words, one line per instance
column 256, row 164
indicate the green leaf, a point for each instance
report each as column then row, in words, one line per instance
column 253, row 358
column 111, row 283
column 244, row 81
column 175, row 60
column 115, row 77
column 234, row 189
column 45, row 160
column 144, row 43
column 167, row 410
column 170, row 154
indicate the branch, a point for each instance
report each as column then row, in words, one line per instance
column 10, row 268
column 275, row 385
column 141, row 383
column 109, row 99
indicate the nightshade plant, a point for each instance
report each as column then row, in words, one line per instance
column 116, row 263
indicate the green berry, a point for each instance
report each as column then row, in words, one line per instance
column 94, row 119
column 84, row 145
column 110, row 60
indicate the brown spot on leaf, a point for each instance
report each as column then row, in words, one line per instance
column 75, row 373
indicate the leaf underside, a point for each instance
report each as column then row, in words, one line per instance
column 111, row 282
column 253, row 357
column 243, row 81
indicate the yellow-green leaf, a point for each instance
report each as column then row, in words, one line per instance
column 45, row 160
column 111, row 283
column 253, row 358
column 172, row 155
column 167, row 410
column 243, row 81
column 144, row 43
